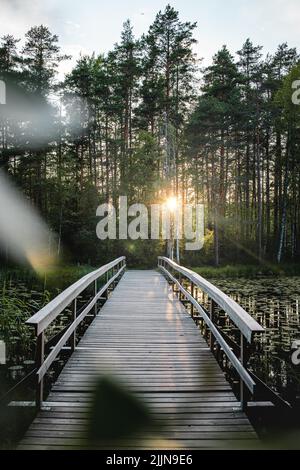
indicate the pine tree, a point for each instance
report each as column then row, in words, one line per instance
column 41, row 57
column 126, row 57
column 10, row 74
column 215, row 121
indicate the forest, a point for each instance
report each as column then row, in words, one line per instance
column 147, row 118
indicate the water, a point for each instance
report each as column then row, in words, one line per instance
column 274, row 303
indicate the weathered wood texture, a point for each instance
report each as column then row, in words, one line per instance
column 144, row 337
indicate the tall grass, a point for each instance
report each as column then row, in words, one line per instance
column 22, row 294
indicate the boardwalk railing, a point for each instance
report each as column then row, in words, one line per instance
column 42, row 319
column 241, row 319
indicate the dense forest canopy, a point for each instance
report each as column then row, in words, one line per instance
column 145, row 119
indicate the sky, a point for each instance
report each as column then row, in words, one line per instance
column 87, row 26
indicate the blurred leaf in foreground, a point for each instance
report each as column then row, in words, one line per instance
column 115, row 413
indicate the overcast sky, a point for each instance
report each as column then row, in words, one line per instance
column 84, row 26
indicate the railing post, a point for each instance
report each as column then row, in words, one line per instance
column 243, row 360
column 95, row 292
column 40, row 353
column 73, row 335
column 212, row 317
column 179, row 291
column 106, row 281
column 192, row 294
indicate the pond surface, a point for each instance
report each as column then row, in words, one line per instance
column 274, row 303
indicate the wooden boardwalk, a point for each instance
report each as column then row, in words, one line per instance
column 145, row 338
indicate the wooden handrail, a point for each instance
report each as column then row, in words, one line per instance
column 42, row 319
column 245, row 323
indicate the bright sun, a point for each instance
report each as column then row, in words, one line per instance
column 172, row 203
